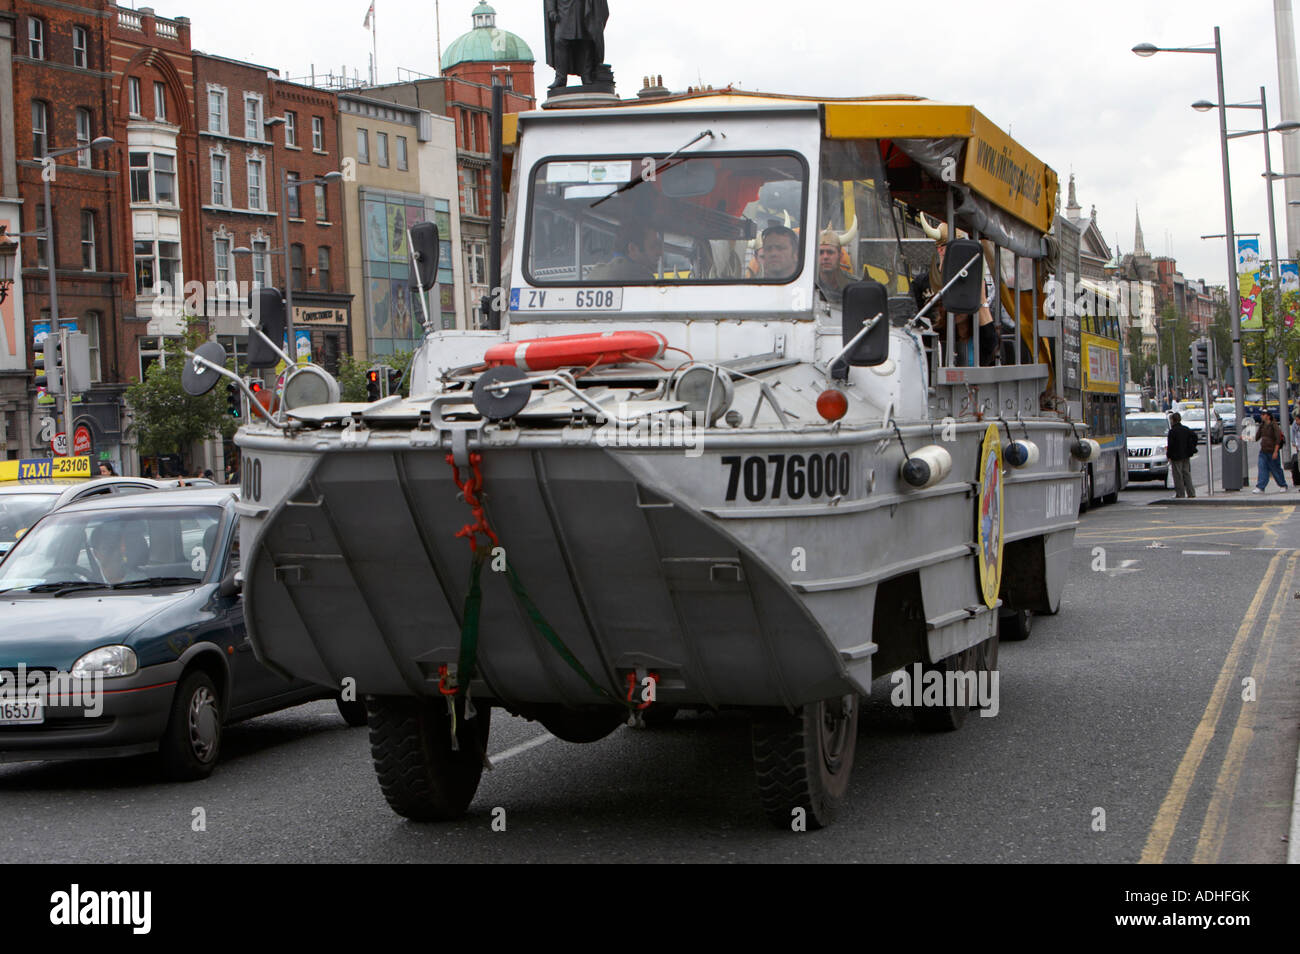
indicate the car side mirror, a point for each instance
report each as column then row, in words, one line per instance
column 232, row 584
column 963, row 298
column 863, row 301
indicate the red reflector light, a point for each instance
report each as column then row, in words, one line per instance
column 832, row 404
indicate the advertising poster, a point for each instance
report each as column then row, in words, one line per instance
column 400, row 322
column 376, row 232
column 302, row 342
column 1248, row 276
column 13, row 356
column 1290, row 292
column 397, row 234
column 380, row 292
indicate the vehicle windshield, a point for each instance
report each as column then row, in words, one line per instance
column 1194, row 414
column 20, row 511
column 1146, row 427
column 690, row 219
column 137, row 548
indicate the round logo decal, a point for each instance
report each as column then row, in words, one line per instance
column 988, row 517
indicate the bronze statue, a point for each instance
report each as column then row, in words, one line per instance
column 575, row 39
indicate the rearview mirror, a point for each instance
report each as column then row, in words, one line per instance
column 863, row 301
column 963, row 298
column 268, row 312
column 230, row 585
column 425, row 251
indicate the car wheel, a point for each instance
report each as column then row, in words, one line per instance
column 190, row 745
column 805, row 760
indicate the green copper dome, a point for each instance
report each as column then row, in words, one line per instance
column 485, row 43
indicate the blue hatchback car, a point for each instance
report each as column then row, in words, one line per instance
column 122, row 631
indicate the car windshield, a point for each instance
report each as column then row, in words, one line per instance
column 657, row 221
column 1194, row 414
column 1146, row 427
column 20, row 511
column 136, row 548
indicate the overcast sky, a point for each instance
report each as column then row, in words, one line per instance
column 1060, row 77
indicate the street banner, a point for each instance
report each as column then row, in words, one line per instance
column 1290, row 285
column 1248, row 279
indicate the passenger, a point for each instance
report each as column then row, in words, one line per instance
column 636, row 256
column 832, row 279
column 780, row 252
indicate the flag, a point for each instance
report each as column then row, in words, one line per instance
column 370, row 16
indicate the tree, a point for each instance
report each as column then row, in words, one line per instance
column 167, row 420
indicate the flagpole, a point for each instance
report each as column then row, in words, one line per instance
column 437, row 32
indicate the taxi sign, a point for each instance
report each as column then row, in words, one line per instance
column 44, row 468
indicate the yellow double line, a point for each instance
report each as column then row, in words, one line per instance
column 1210, row 841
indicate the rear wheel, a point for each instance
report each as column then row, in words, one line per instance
column 420, row 774
column 803, row 761
column 951, row 715
column 1015, row 626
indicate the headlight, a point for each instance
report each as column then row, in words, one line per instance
column 310, row 385
column 694, row 386
column 107, row 661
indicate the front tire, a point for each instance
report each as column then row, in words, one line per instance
column 191, row 743
column 804, row 761
column 420, row 774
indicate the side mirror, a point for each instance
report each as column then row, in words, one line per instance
column 425, row 251
column 268, row 311
column 963, row 298
column 231, row 585
column 863, row 301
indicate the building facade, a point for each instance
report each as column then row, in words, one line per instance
column 62, row 90
column 384, row 196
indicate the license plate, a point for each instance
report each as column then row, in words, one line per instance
column 566, row 299
column 22, row 713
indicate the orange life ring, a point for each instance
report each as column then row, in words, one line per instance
column 562, row 351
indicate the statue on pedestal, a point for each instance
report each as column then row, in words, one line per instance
column 575, row 41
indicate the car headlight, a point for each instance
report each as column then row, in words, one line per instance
column 108, row 661
column 695, row 385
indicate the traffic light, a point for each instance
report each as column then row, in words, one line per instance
column 376, row 380
column 394, row 381
column 234, row 403
column 53, row 364
column 1199, row 352
column 47, row 375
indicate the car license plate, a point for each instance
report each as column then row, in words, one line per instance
column 22, row 713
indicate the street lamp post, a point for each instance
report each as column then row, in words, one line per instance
column 1289, row 126
column 1234, row 304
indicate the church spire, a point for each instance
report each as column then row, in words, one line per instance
column 1072, row 207
column 1139, row 246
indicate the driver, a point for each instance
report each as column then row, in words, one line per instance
column 636, row 255
column 780, row 252
column 116, row 552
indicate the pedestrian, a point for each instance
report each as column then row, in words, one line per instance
column 106, row 469
column 1295, row 442
column 1271, row 440
column 1180, row 447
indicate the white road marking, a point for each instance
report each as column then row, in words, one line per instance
column 1206, row 553
column 521, row 748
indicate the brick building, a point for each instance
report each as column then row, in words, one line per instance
column 156, row 129
column 63, row 96
column 242, row 157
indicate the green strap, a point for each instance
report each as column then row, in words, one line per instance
column 549, row 634
column 469, row 620
column 465, row 668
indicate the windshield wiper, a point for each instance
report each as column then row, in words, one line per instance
column 659, row 167
column 157, row 581
column 64, row 586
